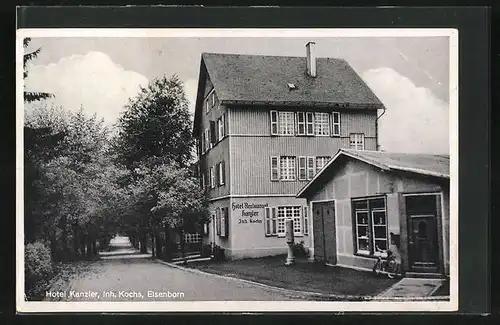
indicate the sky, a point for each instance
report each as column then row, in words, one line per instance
column 410, row 75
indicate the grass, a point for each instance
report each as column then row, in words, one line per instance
column 303, row 276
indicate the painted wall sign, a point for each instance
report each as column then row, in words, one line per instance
column 249, row 213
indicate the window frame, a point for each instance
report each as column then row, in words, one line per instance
column 356, row 135
column 288, row 120
column 291, row 168
column 277, row 169
column 221, row 127
column 319, row 119
column 270, row 222
column 325, row 160
column 370, row 225
column 288, row 212
column 222, row 173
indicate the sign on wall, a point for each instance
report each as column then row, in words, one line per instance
column 249, row 213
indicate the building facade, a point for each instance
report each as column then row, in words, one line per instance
column 265, row 126
column 365, row 202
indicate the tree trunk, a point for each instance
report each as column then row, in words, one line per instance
column 144, row 247
column 89, row 246
column 168, row 253
column 158, row 243
column 76, row 243
column 94, row 247
column 152, row 234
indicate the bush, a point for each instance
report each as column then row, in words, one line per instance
column 37, row 262
column 299, row 249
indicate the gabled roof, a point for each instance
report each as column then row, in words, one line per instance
column 264, row 80
column 423, row 164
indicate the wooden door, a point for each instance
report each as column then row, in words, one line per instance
column 423, row 249
column 325, row 245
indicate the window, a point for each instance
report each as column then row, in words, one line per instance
column 212, row 98
column 220, row 124
column 320, row 163
column 287, row 168
column 207, row 106
column 336, row 123
column 222, row 173
column 370, row 220
column 309, row 123
column 301, row 123
column 302, row 168
column 357, row 141
column 321, row 124
column 202, row 143
column 218, row 221
column 203, row 181
column 192, row 238
column 310, row 168
column 213, row 134
column 274, row 122
column 286, row 123
column 289, row 213
column 212, row 177
column 271, row 222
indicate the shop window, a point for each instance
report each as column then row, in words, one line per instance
column 370, row 222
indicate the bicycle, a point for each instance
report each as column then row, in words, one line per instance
column 389, row 265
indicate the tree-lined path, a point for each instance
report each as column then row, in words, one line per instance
column 123, row 274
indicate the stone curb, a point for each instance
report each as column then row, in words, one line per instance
column 306, row 294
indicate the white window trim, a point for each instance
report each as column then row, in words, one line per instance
column 370, row 226
column 289, row 166
column 356, row 138
column 316, row 123
column 221, row 166
column 325, row 161
column 285, row 208
column 335, row 124
column 286, row 124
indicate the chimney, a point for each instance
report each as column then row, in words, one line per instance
column 311, row 59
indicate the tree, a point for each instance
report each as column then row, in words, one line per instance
column 28, row 95
column 156, row 123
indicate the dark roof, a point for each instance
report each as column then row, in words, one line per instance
column 423, row 164
column 264, row 79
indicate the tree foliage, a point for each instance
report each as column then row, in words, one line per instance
column 30, row 96
column 156, row 123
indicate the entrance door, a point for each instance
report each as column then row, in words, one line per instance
column 423, row 249
column 325, row 245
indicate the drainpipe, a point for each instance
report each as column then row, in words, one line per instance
column 376, row 127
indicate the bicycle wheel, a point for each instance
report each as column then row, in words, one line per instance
column 377, row 268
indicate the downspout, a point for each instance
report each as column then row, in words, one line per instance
column 376, row 127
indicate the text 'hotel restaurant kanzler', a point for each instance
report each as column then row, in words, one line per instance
column 296, row 138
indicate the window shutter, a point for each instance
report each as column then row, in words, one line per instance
column 335, row 124
column 222, row 127
column 213, row 136
column 309, row 123
column 302, row 168
column 267, row 222
column 273, row 221
column 203, row 181
column 275, row 175
column 217, row 174
column 301, row 123
column 216, row 127
column 274, row 122
column 225, row 223
column 223, row 173
column 226, row 124
column 217, row 221
column 311, row 170
column 306, row 222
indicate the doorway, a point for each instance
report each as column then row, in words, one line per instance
column 325, row 237
column 423, row 247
